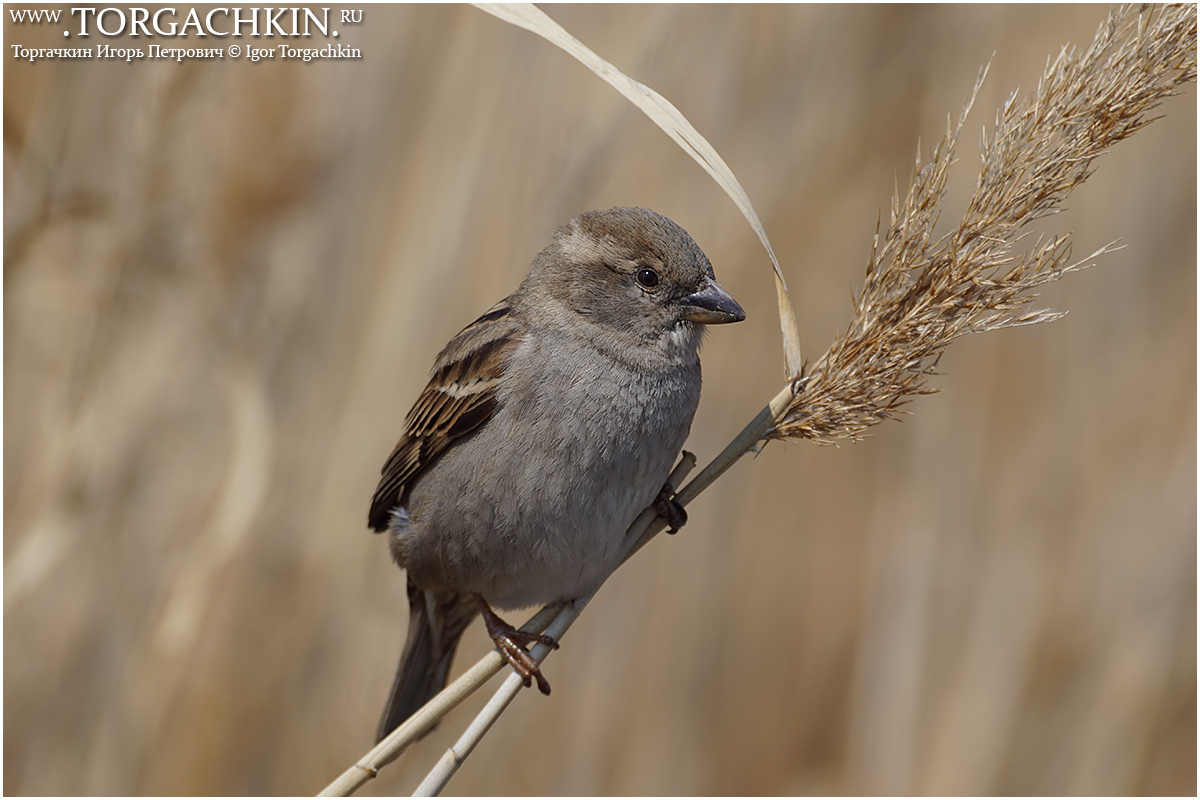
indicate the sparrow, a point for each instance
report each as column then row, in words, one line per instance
column 548, row 425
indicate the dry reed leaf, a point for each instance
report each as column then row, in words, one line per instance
column 676, row 125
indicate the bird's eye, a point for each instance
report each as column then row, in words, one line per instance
column 647, row 277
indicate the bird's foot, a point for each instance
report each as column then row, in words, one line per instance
column 511, row 643
column 670, row 509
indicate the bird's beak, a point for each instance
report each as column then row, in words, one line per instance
column 712, row 305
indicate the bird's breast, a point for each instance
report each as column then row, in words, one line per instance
column 533, row 507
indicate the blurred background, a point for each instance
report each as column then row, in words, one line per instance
column 224, row 285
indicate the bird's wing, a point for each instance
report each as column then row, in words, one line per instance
column 462, row 394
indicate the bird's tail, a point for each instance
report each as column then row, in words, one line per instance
column 436, row 621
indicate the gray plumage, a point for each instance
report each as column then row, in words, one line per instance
column 548, row 425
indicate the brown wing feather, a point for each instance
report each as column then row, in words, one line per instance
column 461, row 396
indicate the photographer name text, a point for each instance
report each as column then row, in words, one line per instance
column 154, row 51
column 135, row 23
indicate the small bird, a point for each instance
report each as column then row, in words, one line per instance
column 548, row 425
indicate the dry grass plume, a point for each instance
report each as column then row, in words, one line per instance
column 922, row 293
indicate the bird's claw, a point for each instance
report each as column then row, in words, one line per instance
column 509, row 641
column 670, row 509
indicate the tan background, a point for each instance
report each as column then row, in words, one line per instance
column 225, row 283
